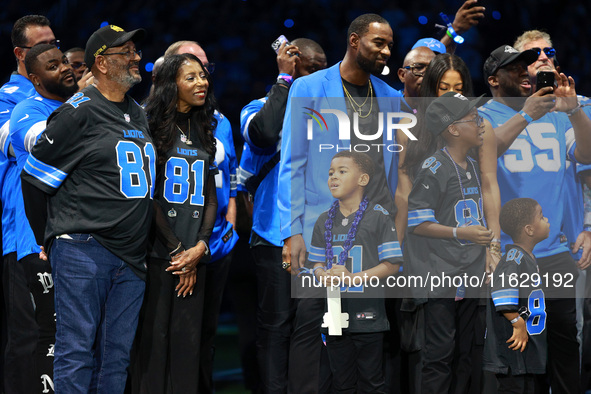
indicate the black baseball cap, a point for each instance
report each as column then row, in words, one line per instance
column 504, row 55
column 446, row 109
column 107, row 37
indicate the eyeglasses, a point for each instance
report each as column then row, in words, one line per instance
column 77, row 65
column 549, row 51
column 128, row 54
column 210, row 67
column 52, row 42
column 478, row 119
column 417, row 69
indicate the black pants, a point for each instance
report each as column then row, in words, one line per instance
column 242, row 293
column 561, row 326
column 166, row 352
column 356, row 362
column 217, row 273
column 309, row 368
column 30, row 310
column 275, row 314
column 520, row 384
column 449, row 333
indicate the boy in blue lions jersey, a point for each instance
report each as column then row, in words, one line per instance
column 446, row 236
column 515, row 347
column 355, row 239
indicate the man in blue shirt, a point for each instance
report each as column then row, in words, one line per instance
column 54, row 83
column 578, row 236
column 261, row 123
column 27, row 32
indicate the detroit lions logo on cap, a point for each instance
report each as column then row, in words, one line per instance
column 510, row 49
column 460, row 96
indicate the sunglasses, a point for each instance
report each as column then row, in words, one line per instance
column 549, row 51
column 478, row 119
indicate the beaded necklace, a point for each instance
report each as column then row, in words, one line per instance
column 344, row 255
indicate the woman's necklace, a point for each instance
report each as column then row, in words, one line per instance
column 184, row 138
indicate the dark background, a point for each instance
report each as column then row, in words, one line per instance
column 236, row 34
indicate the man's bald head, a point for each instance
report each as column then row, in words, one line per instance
column 312, row 57
column 418, row 59
column 192, row 47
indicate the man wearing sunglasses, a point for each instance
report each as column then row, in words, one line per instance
column 533, row 152
column 76, row 58
column 574, row 215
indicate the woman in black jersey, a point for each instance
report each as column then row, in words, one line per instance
column 180, row 113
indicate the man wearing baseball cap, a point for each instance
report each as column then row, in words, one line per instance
column 94, row 166
column 533, row 151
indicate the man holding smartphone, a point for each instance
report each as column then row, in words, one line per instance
column 279, row 346
column 579, row 240
column 526, row 129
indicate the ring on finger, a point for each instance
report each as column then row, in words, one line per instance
column 184, row 269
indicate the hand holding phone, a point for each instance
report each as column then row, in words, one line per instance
column 543, row 79
column 287, row 55
column 277, row 43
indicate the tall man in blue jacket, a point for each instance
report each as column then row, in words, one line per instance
column 305, row 161
column 336, row 109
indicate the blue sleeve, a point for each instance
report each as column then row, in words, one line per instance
column 388, row 247
column 224, row 133
column 11, row 93
column 245, row 169
column 294, row 149
column 246, row 115
column 505, row 296
column 48, row 164
column 27, row 122
column 233, row 164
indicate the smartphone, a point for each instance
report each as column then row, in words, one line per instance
column 277, row 43
column 543, row 79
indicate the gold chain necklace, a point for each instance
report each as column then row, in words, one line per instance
column 354, row 104
column 184, row 138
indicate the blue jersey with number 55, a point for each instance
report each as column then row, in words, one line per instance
column 534, row 166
